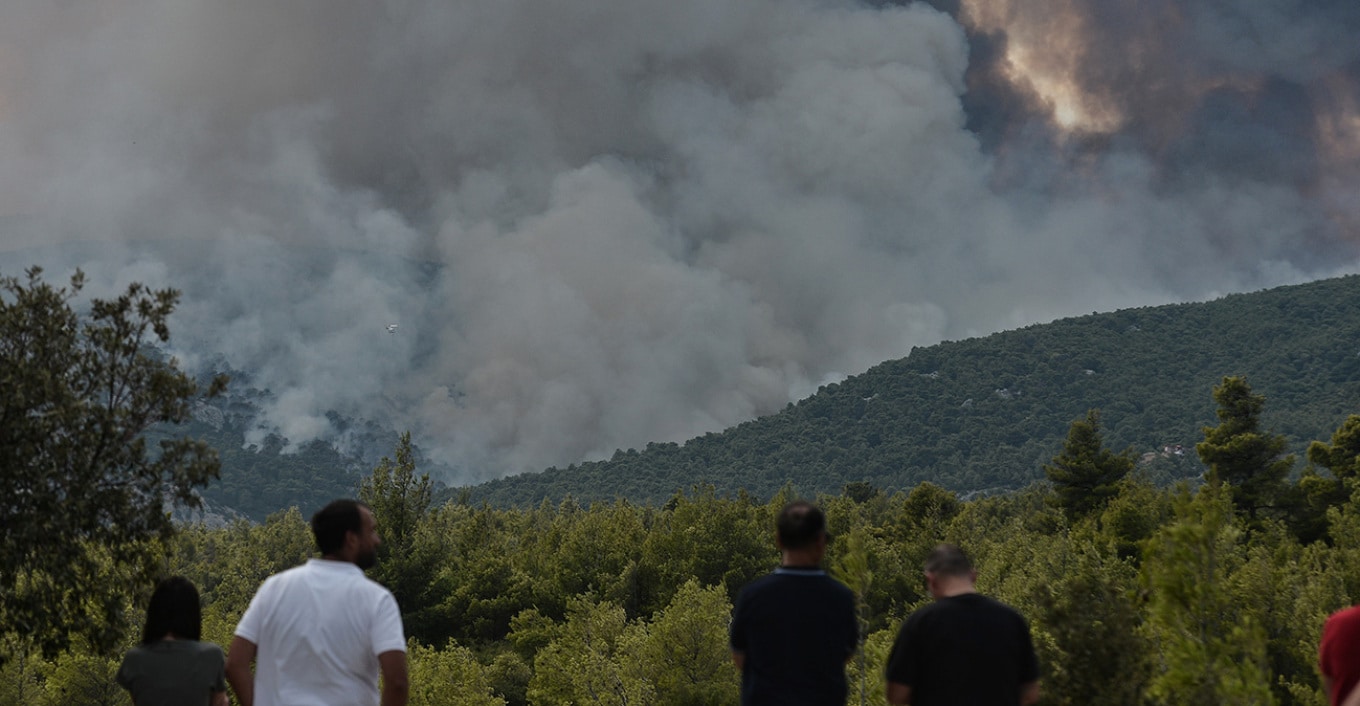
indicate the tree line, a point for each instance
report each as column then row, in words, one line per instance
column 1204, row 592
column 1208, row 593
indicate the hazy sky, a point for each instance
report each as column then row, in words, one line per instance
column 600, row 223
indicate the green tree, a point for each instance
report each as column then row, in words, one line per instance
column 591, row 660
column 1133, row 516
column 21, row 679
column 509, row 676
column 81, row 484
column 77, row 678
column 1086, row 475
column 1097, row 653
column 852, row 568
column 398, row 497
column 448, row 677
column 1341, row 458
column 1240, row 454
column 400, row 500
column 686, row 654
column 1212, row 650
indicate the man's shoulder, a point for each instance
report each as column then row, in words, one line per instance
column 301, row 569
column 790, row 583
column 965, row 603
column 985, row 603
column 759, row 584
column 377, row 590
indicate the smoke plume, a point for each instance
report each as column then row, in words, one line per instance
column 607, row 222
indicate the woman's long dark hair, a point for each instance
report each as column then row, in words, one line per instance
column 173, row 610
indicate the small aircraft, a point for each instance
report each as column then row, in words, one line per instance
column 391, row 328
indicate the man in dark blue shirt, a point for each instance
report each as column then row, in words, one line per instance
column 964, row 648
column 794, row 630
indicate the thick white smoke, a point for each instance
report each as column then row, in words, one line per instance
column 607, row 222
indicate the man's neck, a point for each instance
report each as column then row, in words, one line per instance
column 800, row 559
column 950, row 587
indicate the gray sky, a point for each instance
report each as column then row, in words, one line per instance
column 606, row 222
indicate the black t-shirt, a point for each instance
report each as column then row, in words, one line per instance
column 967, row 649
column 797, row 628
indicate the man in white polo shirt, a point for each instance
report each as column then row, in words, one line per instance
column 319, row 634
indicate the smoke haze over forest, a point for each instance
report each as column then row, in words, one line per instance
column 608, row 222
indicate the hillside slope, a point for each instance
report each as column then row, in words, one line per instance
column 985, row 414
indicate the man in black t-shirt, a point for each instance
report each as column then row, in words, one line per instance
column 793, row 630
column 964, row 648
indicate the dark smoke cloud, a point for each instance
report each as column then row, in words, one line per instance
column 603, row 223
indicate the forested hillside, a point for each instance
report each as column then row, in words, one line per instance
column 1158, row 597
column 1136, row 594
column 984, row 414
column 268, row 474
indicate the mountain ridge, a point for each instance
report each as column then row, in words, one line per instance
column 985, row 413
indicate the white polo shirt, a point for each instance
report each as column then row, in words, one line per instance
column 318, row 630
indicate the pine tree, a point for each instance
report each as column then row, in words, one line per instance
column 1086, row 475
column 1317, row 492
column 1240, row 454
column 1212, row 650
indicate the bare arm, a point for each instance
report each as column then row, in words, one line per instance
column 240, row 656
column 739, row 659
column 898, row 694
column 1029, row 693
column 396, row 685
column 219, row 698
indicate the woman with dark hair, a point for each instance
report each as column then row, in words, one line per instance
column 171, row 667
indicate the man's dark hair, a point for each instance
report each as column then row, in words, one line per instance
column 948, row 560
column 799, row 525
column 330, row 524
column 173, row 610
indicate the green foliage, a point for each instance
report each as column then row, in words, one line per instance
column 398, row 498
column 1086, row 475
column 509, row 676
column 400, row 501
column 852, row 566
column 1212, row 649
column 451, row 676
column 21, row 676
column 685, row 655
column 726, row 542
column 590, row 662
column 1318, row 493
column 1097, row 653
column 1162, row 597
column 1240, row 454
column 984, row 415
column 85, row 494
column 1132, row 517
column 82, row 679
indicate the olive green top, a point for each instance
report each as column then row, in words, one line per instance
column 173, row 673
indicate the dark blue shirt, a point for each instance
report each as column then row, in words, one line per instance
column 796, row 628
